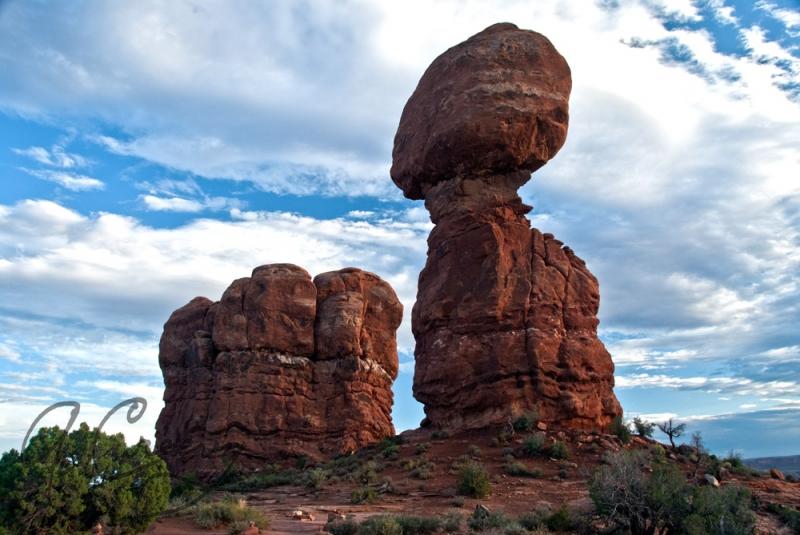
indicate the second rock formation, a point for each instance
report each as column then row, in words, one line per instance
column 280, row 366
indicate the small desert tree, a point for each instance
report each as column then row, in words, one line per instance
column 673, row 430
column 642, row 496
column 699, row 452
column 628, row 496
column 65, row 482
column 643, row 427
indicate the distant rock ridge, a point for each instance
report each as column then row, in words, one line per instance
column 280, row 366
column 506, row 317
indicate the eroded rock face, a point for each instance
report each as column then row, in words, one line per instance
column 280, row 366
column 506, row 317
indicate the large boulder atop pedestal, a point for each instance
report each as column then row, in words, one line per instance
column 280, row 366
column 498, row 102
column 506, row 317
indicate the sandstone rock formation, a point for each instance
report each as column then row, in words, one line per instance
column 506, row 317
column 280, row 366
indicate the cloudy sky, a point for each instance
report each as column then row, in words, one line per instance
column 151, row 152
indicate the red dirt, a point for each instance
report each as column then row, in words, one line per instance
column 435, row 496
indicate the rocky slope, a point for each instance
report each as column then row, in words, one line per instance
column 506, row 317
column 281, row 365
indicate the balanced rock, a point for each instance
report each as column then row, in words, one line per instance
column 280, row 366
column 506, row 317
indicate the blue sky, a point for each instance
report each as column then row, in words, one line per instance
column 151, row 152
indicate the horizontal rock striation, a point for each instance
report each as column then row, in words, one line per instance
column 280, row 366
column 506, row 317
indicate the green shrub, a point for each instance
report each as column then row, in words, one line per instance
column 790, row 517
column 237, row 527
column 518, row 469
column 418, row 525
column 451, row 522
column 481, row 520
column 262, row 480
column 396, row 525
column 64, row 482
column 474, row 481
column 391, row 451
column 643, row 427
column 534, row 520
column 735, row 464
column 230, row 511
column 621, row 429
column 627, row 496
column 720, row 511
column 559, row 450
column 363, row 495
column 187, row 484
column 422, row 447
column 380, row 525
column 502, row 439
column 560, row 520
column 440, row 434
column 527, row 421
column 474, row 451
column 535, row 445
column 420, row 468
column 345, row 466
column 342, row 527
column 365, row 474
column 315, row 478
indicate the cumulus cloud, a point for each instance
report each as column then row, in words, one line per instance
column 114, row 272
column 317, row 115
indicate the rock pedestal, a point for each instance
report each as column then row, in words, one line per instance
column 506, row 317
column 280, row 366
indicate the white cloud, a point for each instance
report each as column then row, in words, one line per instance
column 171, row 204
column 7, row 352
column 361, row 214
column 179, row 204
column 741, row 386
column 722, row 12
column 317, row 115
column 68, row 180
column 57, row 156
column 114, row 272
column 682, row 9
column 791, row 19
